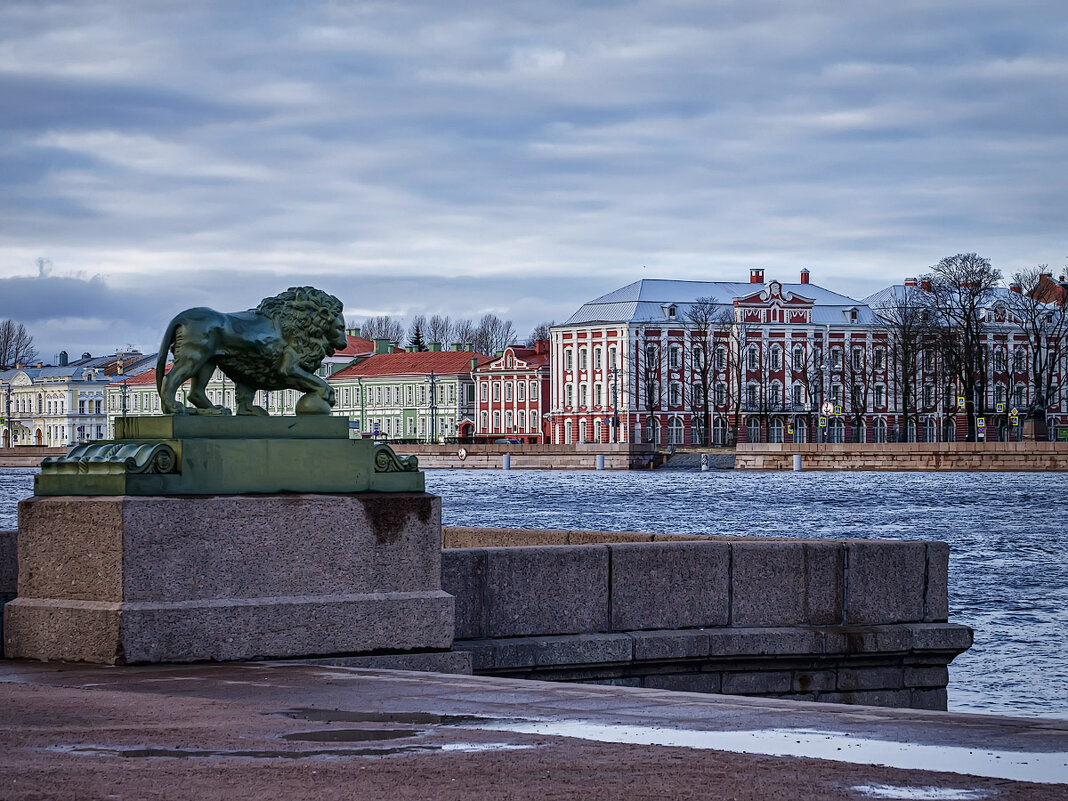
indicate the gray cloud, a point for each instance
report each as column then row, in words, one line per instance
column 420, row 155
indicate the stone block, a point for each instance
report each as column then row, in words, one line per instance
column 785, row 583
column 866, row 640
column 515, row 653
column 887, row 698
column 763, row 641
column 605, row 537
column 455, row 662
column 885, row 581
column 482, row 653
column 806, row 681
column 669, row 585
column 583, row 649
column 685, row 682
column 917, row 676
column 939, row 637
column 185, row 578
column 463, row 575
column 757, row 682
column 937, row 699
column 9, row 562
column 666, row 644
column 546, row 590
column 870, row 678
column 936, row 601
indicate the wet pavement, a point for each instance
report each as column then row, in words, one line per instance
column 286, row 730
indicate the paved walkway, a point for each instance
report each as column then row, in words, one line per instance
column 291, row 731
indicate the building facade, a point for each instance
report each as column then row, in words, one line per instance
column 513, row 393
column 426, row 396
column 689, row 362
column 60, row 406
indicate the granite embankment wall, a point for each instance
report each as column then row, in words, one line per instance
column 967, row 456
column 578, row 456
column 28, row 456
column 848, row 621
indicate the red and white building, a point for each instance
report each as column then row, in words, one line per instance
column 513, row 393
column 795, row 363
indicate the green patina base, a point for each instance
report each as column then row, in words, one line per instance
column 200, row 455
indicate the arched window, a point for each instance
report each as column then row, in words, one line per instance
column 752, row 429
column 719, row 431
column 775, row 396
column 582, row 431
column 533, row 421
column 752, row 357
column 775, row 430
column 799, row 357
column 929, row 430
column 675, row 431
column 949, row 430
column 835, row 430
column 597, row 429
column 567, row 433
column 508, row 420
column 800, row 429
column 879, row 430
column 654, row 430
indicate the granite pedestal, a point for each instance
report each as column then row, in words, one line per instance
column 127, row 579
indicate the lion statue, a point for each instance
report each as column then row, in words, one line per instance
column 278, row 345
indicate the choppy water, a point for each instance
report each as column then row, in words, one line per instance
column 1008, row 537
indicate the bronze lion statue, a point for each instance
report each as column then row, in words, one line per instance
column 278, row 345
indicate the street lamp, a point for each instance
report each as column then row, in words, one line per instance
column 432, row 380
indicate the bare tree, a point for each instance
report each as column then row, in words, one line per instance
column 464, row 331
column 703, row 315
column 740, row 334
column 440, row 329
column 646, row 390
column 493, row 334
column 540, row 331
column 383, row 326
column 16, row 344
column 907, row 320
column 961, row 290
column 860, row 378
column 1044, row 327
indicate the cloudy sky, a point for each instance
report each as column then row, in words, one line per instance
column 518, row 158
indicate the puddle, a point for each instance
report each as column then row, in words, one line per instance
column 412, row 718
column 350, row 735
column 889, row 791
column 1042, row 767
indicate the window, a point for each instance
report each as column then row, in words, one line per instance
column 721, row 394
column 81, row 407
column 533, row 421
column 597, row 395
column 858, row 358
column 522, row 420
column 999, row 360
column 880, row 396
column 508, row 391
column 533, row 390
column 776, row 358
column 721, row 358
column 949, row 397
column 752, row 429
column 697, row 395
column 496, row 421
column 1018, row 357
column 1019, row 399
column 799, row 358
column 775, row 430
column 878, row 358
column 520, row 390
column 752, row 357
column 929, row 430
column 698, row 358
column 775, row 395
column 582, row 358
column 508, row 420
column 836, row 394
column 596, row 358
column 799, row 395
column 583, row 395
column 928, row 396
column 675, row 393
column 836, row 358
column 928, row 360
column 675, row 431
column 999, row 393
column 675, row 357
column 878, row 430
column 611, row 358
column 652, row 356
column 484, row 421
column 568, row 359
column 752, row 396
column 569, row 396
column 496, row 391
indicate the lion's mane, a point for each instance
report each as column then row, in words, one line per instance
column 304, row 315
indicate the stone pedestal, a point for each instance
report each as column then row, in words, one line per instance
column 126, row 579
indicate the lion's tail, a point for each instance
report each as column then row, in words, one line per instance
column 164, row 349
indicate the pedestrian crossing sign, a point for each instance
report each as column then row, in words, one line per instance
column 823, row 422
column 960, row 403
column 980, row 422
column 838, row 410
column 1014, row 420
column 1001, row 408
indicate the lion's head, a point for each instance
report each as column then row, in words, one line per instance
column 310, row 320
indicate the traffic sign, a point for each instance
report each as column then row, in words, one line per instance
column 1014, row 420
column 980, row 422
column 1015, row 412
column 1001, row 408
column 823, row 422
column 838, row 410
column 960, row 403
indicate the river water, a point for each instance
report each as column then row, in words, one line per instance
column 1008, row 537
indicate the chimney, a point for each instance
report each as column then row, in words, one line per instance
column 383, row 346
column 456, row 347
column 541, row 346
column 353, row 332
column 756, row 275
column 434, row 347
column 1015, row 287
column 64, row 359
column 925, row 284
column 804, row 276
column 910, row 282
column 474, row 363
column 469, row 347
